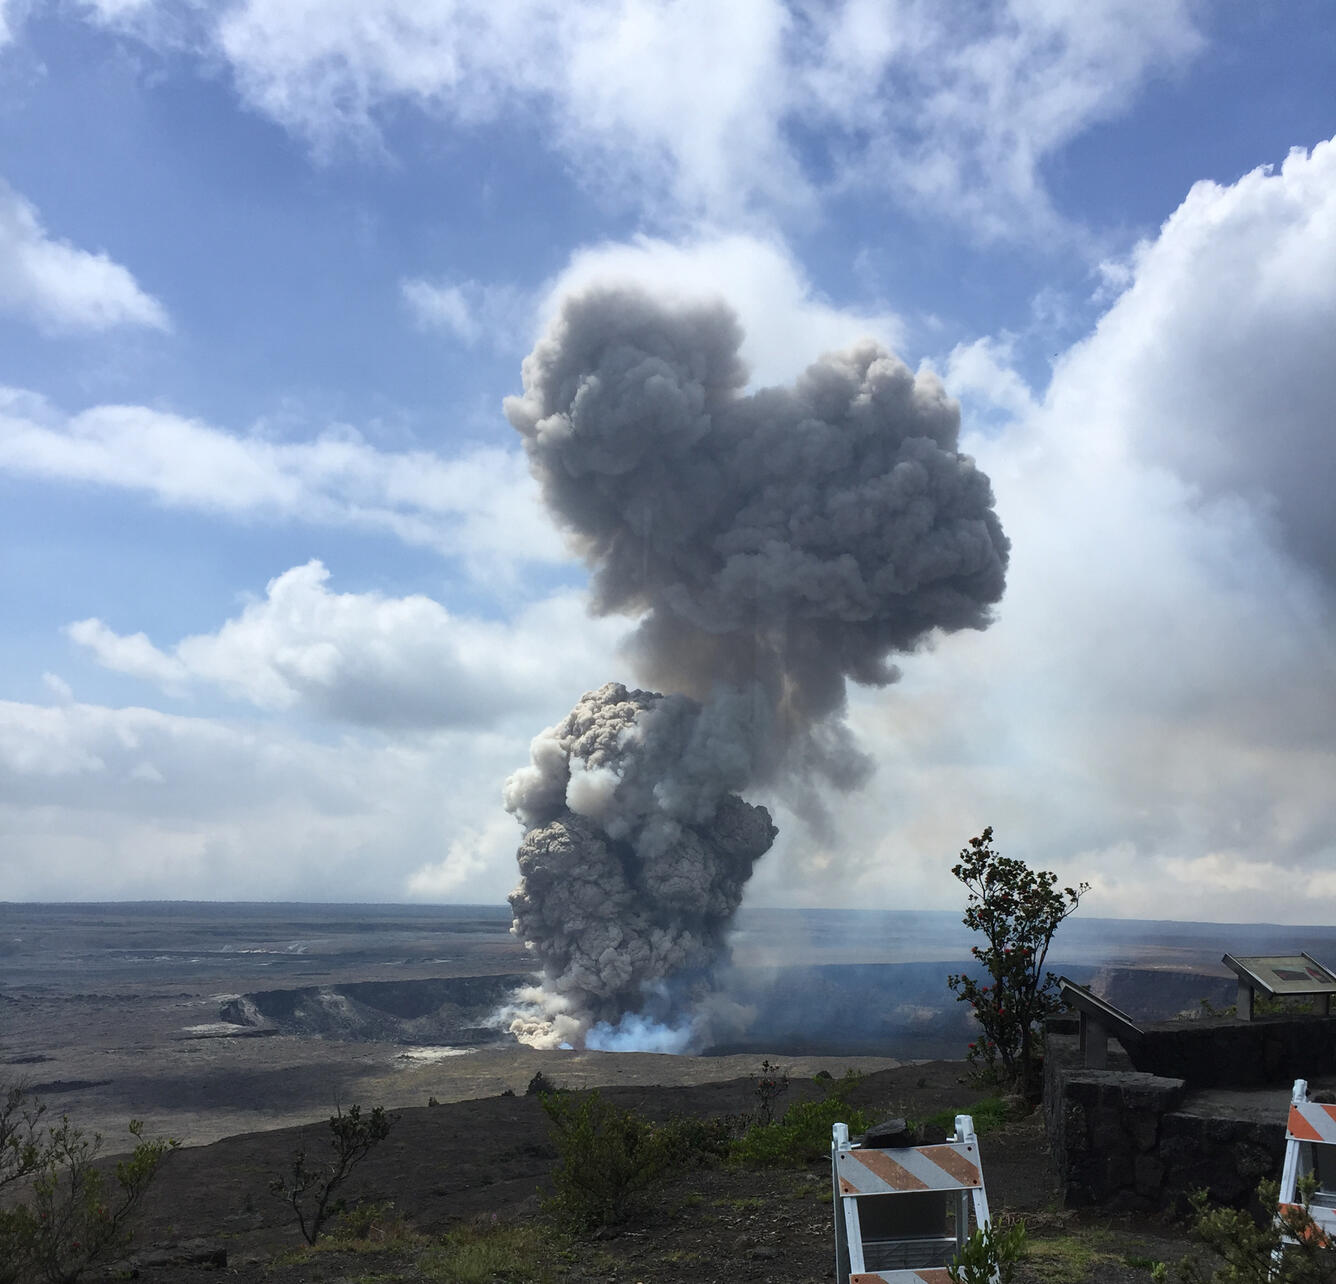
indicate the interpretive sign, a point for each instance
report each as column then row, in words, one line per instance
column 1099, row 1019
column 1280, row 975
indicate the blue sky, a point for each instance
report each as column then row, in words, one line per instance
column 281, row 608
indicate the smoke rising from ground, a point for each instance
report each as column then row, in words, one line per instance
column 772, row 547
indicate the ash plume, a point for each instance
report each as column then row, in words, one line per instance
column 772, row 546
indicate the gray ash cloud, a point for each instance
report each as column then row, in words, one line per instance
column 772, row 547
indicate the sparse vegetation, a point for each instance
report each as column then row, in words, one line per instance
column 20, row 1135
column 771, row 1084
column 1070, row 1258
column 1017, row 910
column 370, row 1224
column 990, row 1113
column 689, row 1140
column 802, row 1135
column 1238, row 1249
column 1263, row 1005
column 491, row 1252
column 308, row 1189
column 607, row 1159
column 715, row 1184
column 989, row 1256
column 610, row 1158
column 71, row 1219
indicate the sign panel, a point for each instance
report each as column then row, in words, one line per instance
column 1282, row 973
column 1114, row 1020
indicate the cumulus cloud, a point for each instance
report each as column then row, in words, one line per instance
column 133, row 803
column 477, row 506
column 59, row 287
column 1155, row 708
column 394, row 663
column 783, row 319
column 1219, row 358
column 949, row 106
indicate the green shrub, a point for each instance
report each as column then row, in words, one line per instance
column 71, row 1219
column 309, row 1190
column 688, row 1140
column 1239, row 1249
column 607, row 1158
column 989, row 1256
column 800, row 1137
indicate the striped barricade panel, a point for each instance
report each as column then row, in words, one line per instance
column 951, row 1166
column 1324, row 1221
column 925, row 1275
column 1312, row 1121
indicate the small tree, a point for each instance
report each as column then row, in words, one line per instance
column 1017, row 910
column 72, row 1218
column 21, row 1144
column 310, row 1189
column 771, row 1084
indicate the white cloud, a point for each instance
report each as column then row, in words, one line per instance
column 980, row 373
column 491, row 846
column 787, row 325
column 1218, row 358
column 471, row 311
column 961, row 104
column 1155, row 707
column 443, row 306
column 697, row 107
column 680, row 98
column 59, row 287
column 134, row 655
column 58, row 687
column 479, row 506
column 371, row 660
column 131, row 803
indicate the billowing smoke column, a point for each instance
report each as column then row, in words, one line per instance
column 773, row 546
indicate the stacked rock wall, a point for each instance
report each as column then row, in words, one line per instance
column 1135, row 1140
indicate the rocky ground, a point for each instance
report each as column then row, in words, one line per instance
column 473, row 1170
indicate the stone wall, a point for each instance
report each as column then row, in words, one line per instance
column 1228, row 1053
column 1224, row 1155
column 1133, row 1140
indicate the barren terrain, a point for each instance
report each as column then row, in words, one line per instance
column 483, row 1164
column 238, row 1029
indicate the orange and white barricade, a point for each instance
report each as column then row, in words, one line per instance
column 893, row 1208
column 1310, row 1150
